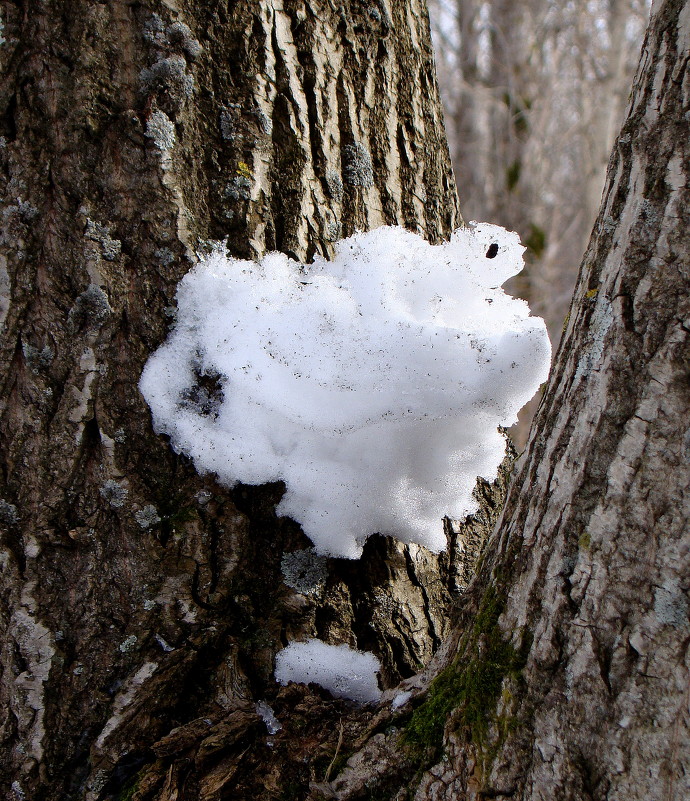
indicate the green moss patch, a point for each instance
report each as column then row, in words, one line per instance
column 128, row 791
column 471, row 686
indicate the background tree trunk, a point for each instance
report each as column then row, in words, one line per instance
column 535, row 94
column 137, row 596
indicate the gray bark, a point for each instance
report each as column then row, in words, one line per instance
column 138, row 598
column 595, row 537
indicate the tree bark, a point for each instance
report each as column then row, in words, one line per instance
column 566, row 675
column 132, row 654
column 139, row 598
column 580, row 619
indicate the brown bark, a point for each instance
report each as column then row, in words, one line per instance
column 139, row 598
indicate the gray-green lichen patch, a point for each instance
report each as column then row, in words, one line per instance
column 154, row 31
column 37, row 359
column 238, row 189
column 8, row 513
column 671, row 605
column 169, row 79
column 357, row 166
column 164, row 256
column 26, row 211
column 333, row 230
column 180, row 35
column 114, row 493
column 227, row 122
column 16, row 218
column 176, row 35
column 334, row 184
column 147, row 517
column 91, row 309
column 128, row 643
column 601, row 322
column 96, row 232
column 244, row 127
column 304, row 571
column 161, row 129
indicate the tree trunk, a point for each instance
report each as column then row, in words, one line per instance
column 138, row 597
column 566, row 675
column 143, row 605
column 571, row 678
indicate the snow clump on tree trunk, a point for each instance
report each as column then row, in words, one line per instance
column 373, row 385
column 343, row 671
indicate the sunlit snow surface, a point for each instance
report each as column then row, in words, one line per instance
column 372, row 385
column 343, row 671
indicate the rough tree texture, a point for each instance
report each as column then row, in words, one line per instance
column 595, row 545
column 569, row 679
column 136, row 596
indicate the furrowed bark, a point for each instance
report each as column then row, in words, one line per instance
column 589, row 562
column 137, row 596
column 565, row 677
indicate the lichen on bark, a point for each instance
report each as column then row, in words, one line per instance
column 132, row 135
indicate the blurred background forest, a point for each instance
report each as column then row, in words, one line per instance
column 534, row 94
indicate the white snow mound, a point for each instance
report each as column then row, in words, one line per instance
column 343, row 671
column 372, row 385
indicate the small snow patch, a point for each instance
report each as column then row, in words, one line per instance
column 401, row 699
column 163, row 644
column 273, row 725
column 343, row 671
